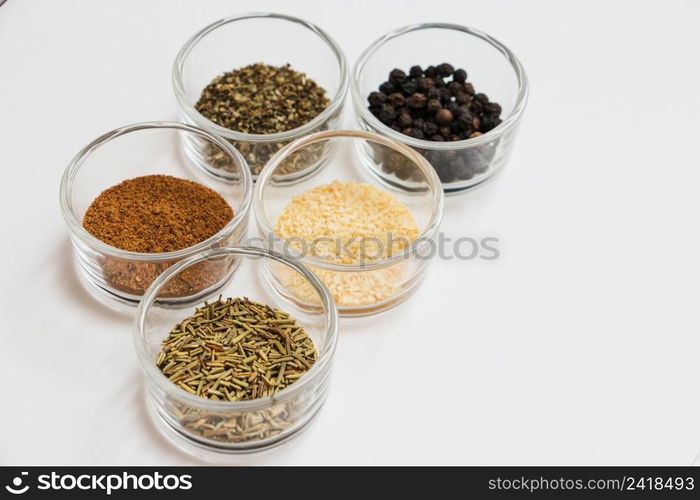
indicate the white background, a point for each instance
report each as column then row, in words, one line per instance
column 580, row 345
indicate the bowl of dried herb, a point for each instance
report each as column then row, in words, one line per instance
column 453, row 93
column 263, row 97
column 134, row 206
column 242, row 369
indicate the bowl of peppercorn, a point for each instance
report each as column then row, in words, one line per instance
column 238, row 79
column 453, row 93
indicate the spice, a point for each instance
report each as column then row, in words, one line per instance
column 347, row 223
column 240, row 426
column 349, row 289
column 236, row 350
column 261, row 99
column 428, row 105
column 157, row 214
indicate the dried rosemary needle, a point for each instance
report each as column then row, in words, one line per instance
column 236, row 350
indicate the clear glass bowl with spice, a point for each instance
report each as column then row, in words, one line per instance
column 134, row 207
column 368, row 240
column 263, row 96
column 239, row 370
column 453, row 93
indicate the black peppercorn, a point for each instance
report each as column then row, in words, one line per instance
column 387, row 88
column 430, row 71
column 417, row 101
column 478, row 160
column 460, row 169
column 415, row 72
column 443, row 117
column 387, row 114
column 404, row 173
column 455, row 87
column 445, row 69
column 464, row 115
column 439, row 82
column 477, row 106
column 482, row 98
column 376, row 99
column 457, row 125
column 433, row 106
column 409, row 88
column 469, row 88
column 465, row 129
column 460, row 75
column 444, row 131
column 426, row 83
column 493, row 108
column 437, row 138
column 463, row 111
column 476, row 122
column 405, row 119
column 463, row 98
column 417, row 133
column 432, row 93
column 444, row 172
column 445, row 95
column 397, row 100
column 466, row 133
column 489, row 122
column 419, row 123
column 397, row 77
column 430, row 128
column 452, row 106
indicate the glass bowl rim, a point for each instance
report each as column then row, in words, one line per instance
column 318, row 369
column 77, row 229
column 507, row 124
column 418, row 159
column 188, row 108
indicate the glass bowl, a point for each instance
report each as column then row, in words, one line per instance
column 491, row 67
column 269, row 38
column 212, row 429
column 117, row 277
column 362, row 287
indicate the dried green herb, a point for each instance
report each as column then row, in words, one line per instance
column 258, row 154
column 239, row 427
column 236, row 350
column 262, row 99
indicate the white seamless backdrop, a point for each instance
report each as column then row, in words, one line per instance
column 579, row 345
